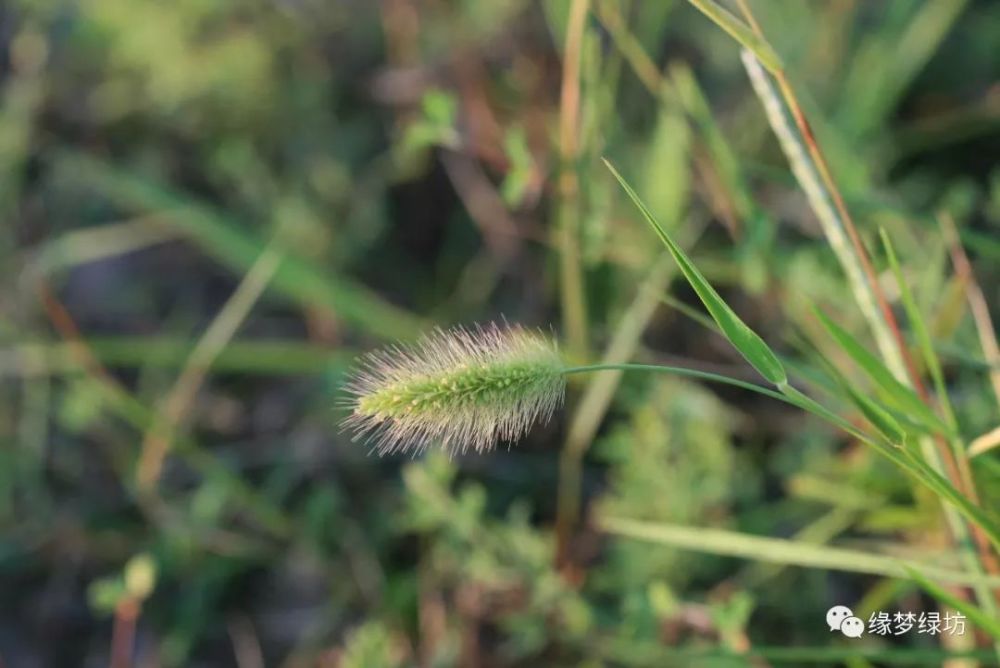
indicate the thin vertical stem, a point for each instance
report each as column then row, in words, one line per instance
column 977, row 302
column 123, row 633
column 159, row 438
column 887, row 333
column 571, row 271
column 597, row 398
column 814, row 174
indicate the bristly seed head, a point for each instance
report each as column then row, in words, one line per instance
column 460, row 389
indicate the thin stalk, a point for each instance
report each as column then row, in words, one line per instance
column 783, row 551
column 899, row 453
column 683, row 371
column 640, row 62
column 158, row 440
column 884, row 325
column 750, row 39
column 123, row 633
column 596, row 399
column 567, row 223
column 977, row 302
column 788, row 394
column 820, row 200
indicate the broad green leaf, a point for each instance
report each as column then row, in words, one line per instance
column 897, row 394
column 744, row 339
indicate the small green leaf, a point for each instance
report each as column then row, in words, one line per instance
column 744, row 339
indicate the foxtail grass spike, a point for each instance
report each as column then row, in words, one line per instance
column 457, row 389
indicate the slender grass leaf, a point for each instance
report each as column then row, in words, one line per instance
column 987, row 521
column 907, row 460
column 844, row 388
column 744, row 339
column 920, row 331
column 741, row 32
column 782, row 551
column 975, row 615
column 899, row 395
column 297, row 278
column 881, row 419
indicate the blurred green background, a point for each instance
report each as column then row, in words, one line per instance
column 210, row 208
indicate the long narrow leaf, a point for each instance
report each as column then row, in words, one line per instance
column 297, row 278
column 920, row 330
column 744, row 339
column 895, row 392
column 782, row 551
column 977, row 616
column 741, row 32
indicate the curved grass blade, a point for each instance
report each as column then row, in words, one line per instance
column 975, row 615
column 744, row 339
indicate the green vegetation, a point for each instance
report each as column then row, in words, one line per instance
column 763, row 235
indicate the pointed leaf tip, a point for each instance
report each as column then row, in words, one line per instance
column 745, row 340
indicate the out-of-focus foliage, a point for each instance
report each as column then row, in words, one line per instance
column 209, row 208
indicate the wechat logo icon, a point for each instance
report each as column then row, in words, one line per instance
column 841, row 618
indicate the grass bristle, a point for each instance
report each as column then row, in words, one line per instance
column 456, row 389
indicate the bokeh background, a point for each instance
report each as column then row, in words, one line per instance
column 209, row 208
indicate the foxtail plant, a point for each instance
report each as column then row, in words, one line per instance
column 470, row 388
column 461, row 388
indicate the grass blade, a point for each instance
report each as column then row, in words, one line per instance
column 897, row 394
column 920, row 331
column 977, row 616
column 741, row 32
column 880, row 418
column 744, row 339
column 781, row 551
column 224, row 240
column 822, row 200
